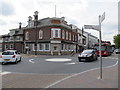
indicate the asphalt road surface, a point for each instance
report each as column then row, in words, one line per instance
column 39, row 65
column 41, row 71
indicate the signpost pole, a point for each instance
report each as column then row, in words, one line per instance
column 100, row 53
column 98, row 28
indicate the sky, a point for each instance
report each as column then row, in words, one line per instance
column 76, row 12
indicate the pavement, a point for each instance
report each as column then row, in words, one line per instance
column 90, row 79
column 86, row 79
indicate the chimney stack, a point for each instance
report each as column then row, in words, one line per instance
column 29, row 18
column 36, row 15
column 20, row 25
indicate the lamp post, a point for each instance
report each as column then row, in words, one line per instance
column 98, row 28
column 35, row 24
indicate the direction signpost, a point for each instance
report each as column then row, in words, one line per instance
column 98, row 28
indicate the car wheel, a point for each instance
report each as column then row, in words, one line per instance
column 20, row 59
column 3, row 63
column 96, row 58
column 16, row 61
column 79, row 60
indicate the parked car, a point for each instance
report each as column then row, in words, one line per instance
column 87, row 55
column 10, row 56
column 117, row 51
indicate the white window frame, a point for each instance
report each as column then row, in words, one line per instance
column 73, row 37
column 45, row 47
column 53, row 30
column 27, row 36
column 33, row 47
column 40, row 34
column 42, row 47
column 67, row 35
column 63, row 34
column 55, row 46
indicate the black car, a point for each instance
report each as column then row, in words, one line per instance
column 87, row 55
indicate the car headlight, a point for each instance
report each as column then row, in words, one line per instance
column 89, row 55
column 79, row 55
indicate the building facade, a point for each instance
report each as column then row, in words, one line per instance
column 45, row 36
column 1, row 43
column 52, row 36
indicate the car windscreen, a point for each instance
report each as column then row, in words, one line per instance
column 8, row 53
column 87, row 52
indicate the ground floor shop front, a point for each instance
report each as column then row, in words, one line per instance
column 50, row 48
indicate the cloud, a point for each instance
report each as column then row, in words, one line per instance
column 6, row 9
column 2, row 22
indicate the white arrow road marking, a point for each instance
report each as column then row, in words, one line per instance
column 31, row 60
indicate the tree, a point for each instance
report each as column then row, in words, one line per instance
column 117, row 41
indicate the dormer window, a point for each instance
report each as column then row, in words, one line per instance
column 40, row 34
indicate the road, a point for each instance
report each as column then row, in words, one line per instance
column 43, row 72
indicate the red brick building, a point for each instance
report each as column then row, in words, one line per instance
column 45, row 36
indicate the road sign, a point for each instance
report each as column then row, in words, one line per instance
column 96, row 27
column 102, row 17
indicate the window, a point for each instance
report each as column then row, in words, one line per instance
column 62, row 46
column 55, row 48
column 11, row 46
column 47, row 46
column 18, row 37
column 73, row 37
column 65, row 46
column 33, row 47
column 40, row 34
column 63, row 34
column 69, row 47
column 27, row 36
column 41, row 47
column 55, row 33
column 11, row 38
column 6, row 46
column 6, row 39
column 69, row 36
column 8, row 53
column 66, row 35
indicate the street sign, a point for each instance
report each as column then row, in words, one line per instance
column 102, row 17
column 96, row 27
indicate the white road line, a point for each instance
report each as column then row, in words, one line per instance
column 72, row 63
column 76, row 75
column 31, row 60
column 4, row 73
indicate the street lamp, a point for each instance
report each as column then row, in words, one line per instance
column 98, row 28
column 35, row 24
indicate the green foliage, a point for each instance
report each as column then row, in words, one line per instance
column 117, row 41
